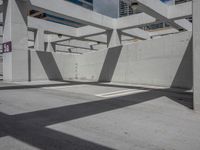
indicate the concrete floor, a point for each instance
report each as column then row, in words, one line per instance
column 88, row 116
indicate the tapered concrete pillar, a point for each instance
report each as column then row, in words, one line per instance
column 15, row 63
column 39, row 41
column 196, row 53
column 113, row 38
column 50, row 46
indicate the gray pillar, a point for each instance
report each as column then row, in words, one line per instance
column 39, row 41
column 113, row 38
column 196, row 53
column 50, row 46
column 15, row 64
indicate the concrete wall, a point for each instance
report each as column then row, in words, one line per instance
column 161, row 62
column 1, row 65
column 51, row 66
column 196, row 53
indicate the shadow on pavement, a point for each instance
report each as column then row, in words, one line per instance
column 31, row 127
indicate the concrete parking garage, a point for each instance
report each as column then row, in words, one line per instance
column 72, row 78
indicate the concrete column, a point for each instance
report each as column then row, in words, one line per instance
column 39, row 41
column 196, row 53
column 50, row 46
column 15, row 64
column 113, row 38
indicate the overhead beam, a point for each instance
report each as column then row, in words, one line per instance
column 88, row 31
column 63, row 29
column 72, row 12
column 137, row 33
column 73, row 46
column 51, row 26
column 166, row 13
column 180, row 11
column 64, row 22
column 184, row 23
column 162, row 32
column 133, row 21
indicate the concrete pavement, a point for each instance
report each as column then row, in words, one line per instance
column 77, row 116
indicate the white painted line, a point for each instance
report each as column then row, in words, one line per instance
column 120, row 93
column 54, row 87
column 115, row 92
column 62, row 87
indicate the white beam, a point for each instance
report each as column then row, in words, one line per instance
column 133, row 21
column 166, row 13
column 180, row 11
column 73, row 12
column 160, row 32
column 88, row 31
column 185, row 24
column 68, row 23
column 51, row 26
column 63, row 29
column 156, row 5
column 98, row 38
column 137, row 33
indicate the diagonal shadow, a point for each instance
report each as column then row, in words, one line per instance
column 17, row 87
column 110, row 64
column 50, row 66
column 184, row 76
column 44, row 138
column 31, row 127
column 67, row 113
column 184, row 73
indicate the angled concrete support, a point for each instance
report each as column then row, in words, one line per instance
column 113, row 38
column 15, row 64
column 50, row 45
column 196, row 53
column 40, row 40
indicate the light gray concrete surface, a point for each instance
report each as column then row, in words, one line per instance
column 71, row 116
column 1, row 67
column 196, row 53
column 15, row 64
column 166, row 61
column 163, row 62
